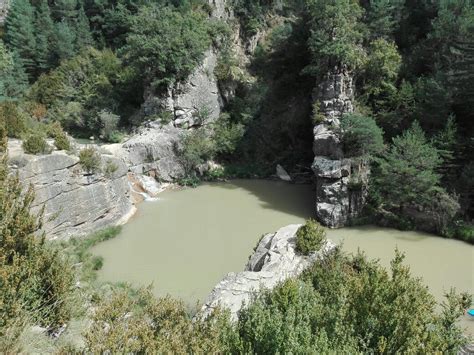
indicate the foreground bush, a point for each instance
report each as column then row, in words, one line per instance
column 310, row 237
column 35, row 281
column 35, row 144
column 145, row 324
column 349, row 305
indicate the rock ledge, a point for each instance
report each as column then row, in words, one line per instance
column 274, row 260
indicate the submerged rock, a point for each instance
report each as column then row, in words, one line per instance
column 274, row 260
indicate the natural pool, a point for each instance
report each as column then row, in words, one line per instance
column 188, row 239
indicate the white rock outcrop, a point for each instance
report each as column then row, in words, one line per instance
column 75, row 202
column 274, row 260
column 195, row 101
column 336, row 203
column 152, row 151
column 4, row 6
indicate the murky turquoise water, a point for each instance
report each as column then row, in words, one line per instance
column 188, row 239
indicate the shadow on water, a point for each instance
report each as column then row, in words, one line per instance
column 297, row 200
column 372, row 231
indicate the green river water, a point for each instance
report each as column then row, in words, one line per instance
column 188, row 239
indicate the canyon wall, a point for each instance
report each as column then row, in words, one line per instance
column 76, row 202
column 336, row 201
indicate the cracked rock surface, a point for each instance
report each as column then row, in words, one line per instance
column 76, row 203
column 274, row 260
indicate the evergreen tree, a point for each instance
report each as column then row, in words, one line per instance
column 13, row 79
column 83, row 32
column 335, row 38
column 45, row 37
column 20, row 34
column 380, row 72
column 165, row 45
column 65, row 10
column 65, row 41
column 406, row 179
column 383, row 17
column 361, row 137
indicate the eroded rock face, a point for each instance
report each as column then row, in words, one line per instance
column 274, row 260
column 198, row 99
column 152, row 151
column 336, row 202
column 75, row 202
column 193, row 102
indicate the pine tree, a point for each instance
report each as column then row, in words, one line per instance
column 65, row 41
column 13, row 78
column 20, row 34
column 83, row 32
column 335, row 38
column 45, row 38
column 406, row 179
column 65, row 10
column 383, row 17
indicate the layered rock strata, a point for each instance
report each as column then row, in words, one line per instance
column 151, row 151
column 336, row 200
column 75, row 202
column 274, row 260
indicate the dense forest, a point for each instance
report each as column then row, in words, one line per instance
column 87, row 65
column 83, row 68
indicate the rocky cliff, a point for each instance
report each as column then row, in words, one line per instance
column 151, row 151
column 336, row 201
column 76, row 203
column 4, row 5
column 274, row 260
column 193, row 102
column 197, row 100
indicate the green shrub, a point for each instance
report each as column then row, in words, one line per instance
column 361, row 136
column 61, row 141
column 351, row 305
column 227, row 135
column 179, row 40
column 460, row 230
column 166, row 117
column 115, row 137
column 54, row 129
column 110, row 168
column 227, row 67
column 15, row 121
column 192, row 181
column 145, row 324
column 215, row 174
column 310, row 237
column 35, row 144
column 196, row 148
column 317, row 116
column 35, row 280
column 89, row 159
column 109, row 123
